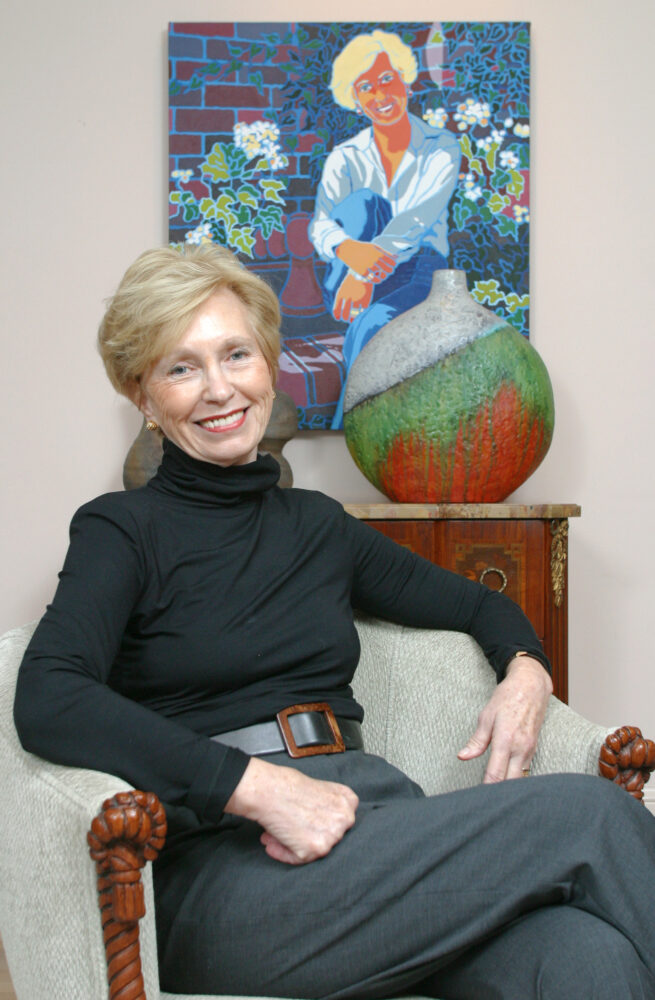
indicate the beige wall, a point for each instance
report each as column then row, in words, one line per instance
column 83, row 186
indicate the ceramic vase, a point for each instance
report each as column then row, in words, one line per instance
column 281, row 427
column 448, row 402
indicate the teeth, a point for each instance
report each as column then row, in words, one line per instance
column 232, row 418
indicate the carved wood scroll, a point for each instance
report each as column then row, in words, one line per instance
column 129, row 830
column 627, row 759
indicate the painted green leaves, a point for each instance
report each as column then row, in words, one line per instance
column 237, row 202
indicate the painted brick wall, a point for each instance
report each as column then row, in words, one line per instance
column 208, row 112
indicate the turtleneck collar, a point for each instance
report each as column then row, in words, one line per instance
column 207, row 484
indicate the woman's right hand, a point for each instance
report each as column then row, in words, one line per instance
column 353, row 296
column 303, row 818
column 366, row 259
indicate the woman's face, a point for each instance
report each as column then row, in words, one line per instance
column 381, row 93
column 212, row 394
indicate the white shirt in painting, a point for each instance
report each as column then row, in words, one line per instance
column 418, row 194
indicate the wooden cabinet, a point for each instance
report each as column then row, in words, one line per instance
column 520, row 549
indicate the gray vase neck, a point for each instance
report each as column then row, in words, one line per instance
column 449, row 290
column 448, row 281
column 445, row 322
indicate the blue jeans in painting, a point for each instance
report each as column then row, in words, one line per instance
column 363, row 215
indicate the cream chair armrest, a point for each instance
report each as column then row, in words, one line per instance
column 49, row 922
column 567, row 742
column 424, row 689
column 46, row 814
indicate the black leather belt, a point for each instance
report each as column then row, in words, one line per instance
column 301, row 730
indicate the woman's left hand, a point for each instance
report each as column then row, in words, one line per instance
column 511, row 720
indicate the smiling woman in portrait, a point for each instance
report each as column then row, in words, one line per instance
column 380, row 221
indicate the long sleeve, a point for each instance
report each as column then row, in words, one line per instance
column 336, row 184
column 66, row 709
column 392, row 582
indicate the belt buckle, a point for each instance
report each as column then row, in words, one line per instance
column 337, row 746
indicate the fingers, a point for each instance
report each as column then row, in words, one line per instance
column 510, row 724
column 512, row 749
column 504, row 765
column 505, row 761
column 339, row 305
column 498, row 766
column 476, row 746
column 384, row 260
column 365, row 257
column 278, row 851
column 306, row 818
column 380, row 268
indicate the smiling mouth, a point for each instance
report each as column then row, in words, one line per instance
column 229, row 421
column 385, row 109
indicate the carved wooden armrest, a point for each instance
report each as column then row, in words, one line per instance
column 627, row 759
column 129, row 830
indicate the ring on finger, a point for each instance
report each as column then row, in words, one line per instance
column 525, row 773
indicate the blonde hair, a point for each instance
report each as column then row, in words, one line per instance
column 157, row 298
column 360, row 54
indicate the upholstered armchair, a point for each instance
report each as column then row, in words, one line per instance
column 70, row 927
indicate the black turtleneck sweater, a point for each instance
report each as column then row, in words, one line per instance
column 208, row 600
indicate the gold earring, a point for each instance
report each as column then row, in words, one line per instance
column 151, row 425
column 274, row 394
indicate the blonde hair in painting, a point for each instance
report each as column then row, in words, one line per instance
column 360, row 54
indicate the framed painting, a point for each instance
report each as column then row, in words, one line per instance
column 346, row 163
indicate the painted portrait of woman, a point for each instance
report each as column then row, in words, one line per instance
column 381, row 215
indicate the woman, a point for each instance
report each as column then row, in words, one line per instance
column 381, row 210
column 192, row 612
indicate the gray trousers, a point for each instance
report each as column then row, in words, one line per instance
column 541, row 887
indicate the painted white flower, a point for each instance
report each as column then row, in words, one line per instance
column 508, row 122
column 484, row 145
column 522, row 129
column 277, row 161
column 182, row 175
column 508, row 159
column 472, row 189
column 436, row 117
column 521, row 213
column 260, row 139
column 497, row 135
column 201, row 234
column 471, row 113
column 246, row 138
column 267, row 131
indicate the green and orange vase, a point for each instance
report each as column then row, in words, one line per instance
column 448, row 403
